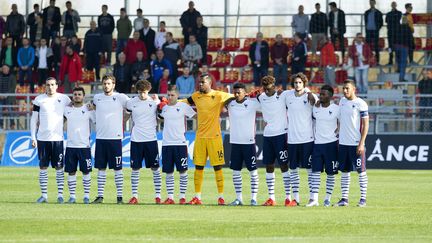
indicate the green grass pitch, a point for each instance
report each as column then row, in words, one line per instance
column 399, row 210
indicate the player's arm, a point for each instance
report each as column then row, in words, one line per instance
column 34, row 124
column 364, row 131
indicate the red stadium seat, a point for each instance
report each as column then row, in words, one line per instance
column 40, row 89
column 231, row 44
column 289, row 41
column 270, row 41
column 312, row 60
column 209, row 59
column 318, row 77
column 341, row 76
column 88, row 76
column 337, row 45
column 428, row 46
column 223, row 59
column 417, row 43
column 247, row 75
column 231, row 76
column 180, row 41
column 216, row 74
column 114, row 45
column 246, row 44
column 240, row 61
column 214, row 44
column 22, row 90
column 381, row 43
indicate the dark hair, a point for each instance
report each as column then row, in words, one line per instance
column 328, row 88
column 408, row 5
column 35, row 5
column 349, row 81
column 143, row 85
column 123, row 10
column 139, row 10
column 106, row 77
column 105, row 6
column 333, row 4
column 51, row 78
column 239, row 85
column 172, row 87
column 69, row 2
column 79, row 89
column 301, row 76
column 163, row 22
column 169, row 33
column 267, row 80
column 317, row 4
column 299, row 35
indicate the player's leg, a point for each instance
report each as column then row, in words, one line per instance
column 199, row 159
column 217, row 160
column 293, row 160
column 168, row 156
column 71, row 164
column 58, row 164
column 306, row 160
column 151, row 157
column 85, row 165
column 115, row 163
column 331, row 165
column 268, row 160
column 236, row 162
column 317, row 168
column 101, row 160
column 250, row 161
column 136, row 159
column 282, row 157
column 360, row 166
column 181, row 163
column 345, row 166
column 43, row 170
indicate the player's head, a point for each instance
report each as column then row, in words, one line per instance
column 299, row 81
column 268, row 84
column 108, row 84
column 326, row 93
column 172, row 94
column 205, row 83
column 143, row 87
column 78, row 95
column 51, row 86
column 239, row 90
column 349, row 89
column 429, row 73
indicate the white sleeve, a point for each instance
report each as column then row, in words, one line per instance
column 93, row 117
column 364, row 110
column 189, row 112
column 33, row 124
column 124, row 100
column 129, row 106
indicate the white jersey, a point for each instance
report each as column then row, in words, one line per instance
column 274, row 113
column 300, row 125
column 175, row 123
column 78, row 126
column 143, row 118
column 51, row 109
column 242, row 117
column 326, row 119
column 109, row 115
column 351, row 113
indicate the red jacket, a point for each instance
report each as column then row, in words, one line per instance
column 367, row 54
column 71, row 65
column 131, row 49
column 328, row 56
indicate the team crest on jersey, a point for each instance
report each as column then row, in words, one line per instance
column 304, row 102
column 277, row 97
column 150, row 105
column 245, row 105
column 58, row 100
column 353, row 106
column 178, row 109
column 330, row 112
column 83, row 112
column 114, row 98
column 213, row 97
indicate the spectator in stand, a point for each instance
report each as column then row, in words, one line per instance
column 7, row 85
column 15, row 26
column 32, row 23
column 348, row 67
column 259, row 55
column 403, row 41
column 25, row 59
column 2, row 30
column 76, row 44
column 393, row 19
column 361, row 55
column 59, row 49
column 39, row 28
column 133, row 46
column 279, row 55
column 173, row 53
column 408, row 14
column 138, row 67
column 185, row 83
column 160, row 38
column 148, row 36
column 299, row 55
column 192, row 54
column 201, row 35
column 328, row 62
column 188, row 21
column 70, row 20
column 337, row 26
column 70, row 70
column 425, row 103
column 8, row 54
column 106, row 27
column 139, row 21
column 164, row 82
column 92, row 48
column 157, row 68
column 51, row 21
column 122, row 73
column 318, row 27
column 206, row 72
column 44, row 55
column 300, row 23
column 373, row 23
column 124, row 30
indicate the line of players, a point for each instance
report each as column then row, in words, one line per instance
column 312, row 127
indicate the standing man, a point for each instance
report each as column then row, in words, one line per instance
column 148, row 36
column 408, row 14
column 337, row 26
column 279, row 55
column 328, row 61
column 208, row 142
column 51, row 21
column 106, row 27
column 192, row 55
column 47, row 135
column 144, row 145
column 124, row 29
column 70, row 70
column 109, row 107
column 393, row 19
column 354, row 126
column 92, row 48
column 299, row 55
column 31, row 22
column 188, row 21
column 139, row 21
column 78, row 152
column 259, row 55
column 174, row 144
column 15, row 26
column 361, row 55
column 201, row 34
column 70, row 20
column 173, row 53
column 25, row 59
column 318, row 27
column 373, row 23
column 242, row 117
column 300, row 23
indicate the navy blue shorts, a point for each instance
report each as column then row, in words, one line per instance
column 174, row 155
column 275, row 148
column 78, row 156
column 50, row 152
column 108, row 152
column 147, row 151
column 325, row 156
column 300, row 155
column 240, row 153
column 349, row 160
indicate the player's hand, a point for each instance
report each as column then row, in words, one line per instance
column 317, row 104
column 254, row 93
column 34, row 143
column 90, row 107
column 360, row 149
column 311, row 98
column 155, row 97
column 163, row 103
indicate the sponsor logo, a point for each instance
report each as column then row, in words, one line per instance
column 21, row 152
column 399, row 153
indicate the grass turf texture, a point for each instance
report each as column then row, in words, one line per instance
column 399, row 209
